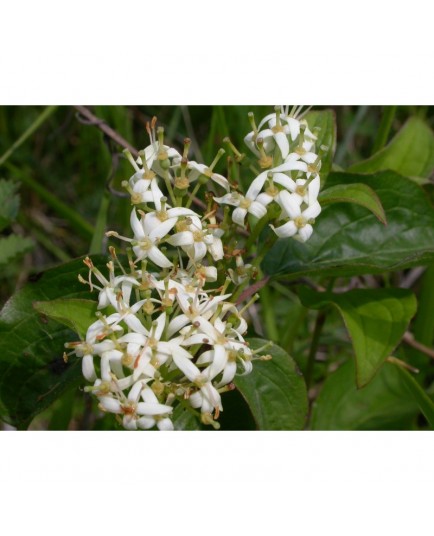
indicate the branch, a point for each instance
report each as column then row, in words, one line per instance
column 253, row 289
column 410, row 340
column 102, row 125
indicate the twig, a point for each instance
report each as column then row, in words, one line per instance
column 410, row 279
column 394, row 360
column 108, row 131
column 112, row 134
column 253, row 289
column 410, row 340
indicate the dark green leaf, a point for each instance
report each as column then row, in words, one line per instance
column 326, row 121
column 360, row 194
column 384, row 404
column 410, row 153
column 376, row 320
column 12, row 246
column 32, row 371
column 73, row 313
column 275, row 390
column 348, row 240
column 424, row 402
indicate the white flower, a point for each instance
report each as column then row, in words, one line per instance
column 196, row 241
column 209, row 398
column 147, row 234
column 153, row 413
column 201, row 169
column 306, row 191
column 228, row 346
column 245, row 204
column 145, row 189
column 299, row 224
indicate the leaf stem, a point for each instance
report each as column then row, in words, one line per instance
column 410, row 340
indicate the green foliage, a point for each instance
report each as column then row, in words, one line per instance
column 76, row 314
column 9, row 202
column 376, row 320
column 32, row 371
column 275, row 390
column 385, row 403
column 13, row 246
column 349, row 241
column 360, row 194
column 425, row 403
column 410, row 153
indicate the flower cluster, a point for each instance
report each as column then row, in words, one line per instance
column 290, row 178
column 168, row 332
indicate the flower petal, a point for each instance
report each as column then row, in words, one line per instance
column 238, row 216
column 284, row 180
column 291, row 165
column 199, row 251
column 264, row 199
column 159, row 258
column 257, row 209
column 294, row 127
column 185, row 365
column 289, row 204
column 288, row 229
column 283, row 143
column 136, row 225
column 220, row 180
column 314, row 187
column 163, row 229
column 305, row 233
column 165, row 425
column 184, row 238
column 88, row 368
column 256, row 186
column 110, row 404
column 312, row 211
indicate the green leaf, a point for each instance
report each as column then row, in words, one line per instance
column 183, row 419
column 326, row 121
column 348, row 241
column 12, row 246
column 424, row 402
column 275, row 390
column 376, row 320
column 73, row 313
column 384, row 404
column 410, row 152
column 360, row 194
column 32, row 371
column 9, row 202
